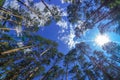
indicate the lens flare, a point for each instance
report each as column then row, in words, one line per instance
column 102, row 39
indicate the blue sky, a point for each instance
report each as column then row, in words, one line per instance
column 64, row 34
column 52, row 32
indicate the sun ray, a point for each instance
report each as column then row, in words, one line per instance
column 102, row 39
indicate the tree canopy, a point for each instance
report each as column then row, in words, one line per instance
column 26, row 55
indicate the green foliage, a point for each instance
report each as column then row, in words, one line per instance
column 2, row 2
column 24, row 59
column 30, row 55
column 114, row 4
column 6, row 37
column 73, row 13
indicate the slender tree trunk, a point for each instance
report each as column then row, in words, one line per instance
column 103, row 4
column 4, row 23
column 103, row 28
column 7, row 29
column 44, row 51
column 115, row 58
column 96, row 11
column 109, row 22
column 104, row 60
column 106, row 15
column 51, row 69
column 19, row 23
column 32, row 10
column 102, row 16
column 32, row 73
column 15, row 50
column 66, row 71
column 103, row 70
column 99, row 66
column 5, row 63
column 16, row 74
column 27, row 66
column 46, row 75
column 3, row 43
column 10, row 20
column 118, row 69
column 10, row 13
column 47, row 7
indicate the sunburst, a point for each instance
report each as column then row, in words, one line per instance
column 102, row 39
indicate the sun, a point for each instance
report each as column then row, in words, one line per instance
column 102, row 39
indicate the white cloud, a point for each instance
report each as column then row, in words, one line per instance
column 6, row 4
column 39, row 6
column 27, row 50
column 69, row 40
column 62, row 24
column 11, row 3
column 62, row 1
column 64, row 13
column 14, row 4
column 30, row 0
column 67, row 36
column 26, row 2
column 20, row 44
column 18, row 30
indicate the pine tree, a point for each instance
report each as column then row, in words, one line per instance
column 26, row 54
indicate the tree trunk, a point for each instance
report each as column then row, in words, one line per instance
column 19, row 23
column 7, row 29
column 105, row 2
column 103, row 70
column 44, row 51
column 66, row 71
column 106, row 15
column 99, row 66
column 46, row 75
column 47, row 7
column 10, row 13
column 15, row 50
column 32, row 73
column 32, row 10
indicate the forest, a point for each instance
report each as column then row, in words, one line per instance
column 59, row 39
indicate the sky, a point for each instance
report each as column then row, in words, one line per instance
column 54, row 31
column 51, row 32
column 62, row 32
column 64, row 36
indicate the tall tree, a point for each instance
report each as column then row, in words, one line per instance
column 26, row 55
